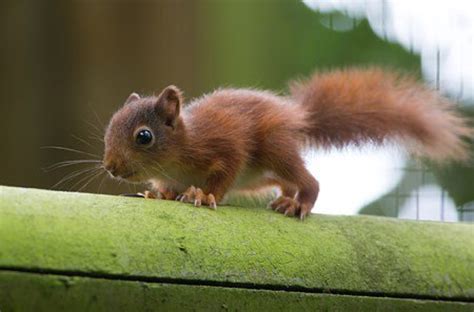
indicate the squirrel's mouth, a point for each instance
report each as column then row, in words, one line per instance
column 128, row 175
column 132, row 177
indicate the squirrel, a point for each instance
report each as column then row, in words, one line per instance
column 245, row 139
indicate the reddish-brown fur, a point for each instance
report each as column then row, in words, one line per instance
column 237, row 139
column 359, row 106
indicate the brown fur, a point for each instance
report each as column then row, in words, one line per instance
column 359, row 106
column 237, row 139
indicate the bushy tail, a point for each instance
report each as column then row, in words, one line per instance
column 359, row 106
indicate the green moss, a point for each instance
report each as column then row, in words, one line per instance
column 164, row 239
column 34, row 292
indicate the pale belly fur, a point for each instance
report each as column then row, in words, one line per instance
column 248, row 179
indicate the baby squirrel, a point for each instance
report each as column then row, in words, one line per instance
column 243, row 139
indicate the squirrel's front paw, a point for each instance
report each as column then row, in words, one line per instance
column 290, row 207
column 197, row 197
column 149, row 194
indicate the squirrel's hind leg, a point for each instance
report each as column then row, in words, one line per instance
column 292, row 171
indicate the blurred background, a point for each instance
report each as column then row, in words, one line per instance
column 66, row 66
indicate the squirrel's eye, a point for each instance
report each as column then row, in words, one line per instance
column 144, row 137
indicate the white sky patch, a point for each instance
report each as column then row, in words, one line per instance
column 354, row 177
column 440, row 31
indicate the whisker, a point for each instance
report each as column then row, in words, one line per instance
column 92, row 178
column 95, row 133
column 67, row 163
column 147, row 172
column 142, row 168
column 72, row 175
column 67, row 149
column 99, row 121
column 102, row 182
column 161, row 170
column 86, row 177
column 134, row 186
column 94, row 127
column 97, row 138
column 82, row 140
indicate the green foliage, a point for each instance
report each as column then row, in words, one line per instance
column 264, row 45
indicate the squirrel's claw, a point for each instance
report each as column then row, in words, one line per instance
column 289, row 207
column 211, row 200
column 197, row 197
column 305, row 210
column 150, row 195
column 187, row 196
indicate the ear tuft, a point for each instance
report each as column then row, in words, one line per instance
column 132, row 98
column 169, row 104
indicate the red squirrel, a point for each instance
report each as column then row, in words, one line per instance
column 245, row 139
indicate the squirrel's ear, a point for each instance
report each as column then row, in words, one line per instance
column 168, row 104
column 131, row 98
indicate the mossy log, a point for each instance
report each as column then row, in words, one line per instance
column 73, row 251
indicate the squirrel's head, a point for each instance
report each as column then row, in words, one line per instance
column 143, row 135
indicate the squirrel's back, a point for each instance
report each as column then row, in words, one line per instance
column 244, row 118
